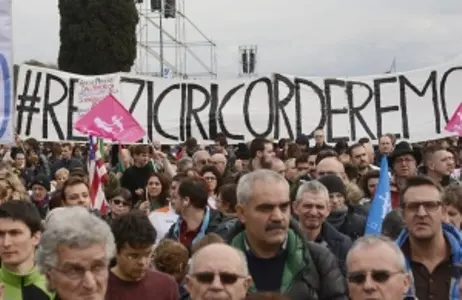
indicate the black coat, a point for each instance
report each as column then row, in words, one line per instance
column 353, row 225
column 338, row 243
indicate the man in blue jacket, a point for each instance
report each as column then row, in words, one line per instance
column 430, row 246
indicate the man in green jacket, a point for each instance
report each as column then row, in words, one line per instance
column 20, row 229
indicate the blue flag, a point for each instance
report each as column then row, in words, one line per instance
column 381, row 204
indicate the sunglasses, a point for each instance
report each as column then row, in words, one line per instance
column 119, row 202
column 225, row 277
column 379, row 276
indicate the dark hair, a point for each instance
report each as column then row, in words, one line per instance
column 196, row 190
column 302, row 158
column 258, row 144
column 341, row 146
column 351, row 171
column 120, row 192
column 452, row 196
column 393, row 223
column 15, row 151
column 215, row 172
column 72, row 181
column 353, row 147
column 364, row 140
column 293, row 150
column 417, row 181
column 78, row 172
column 363, row 183
column 178, row 177
column 23, row 211
column 325, row 154
column 33, row 144
column 165, row 185
column 66, row 145
column 221, row 140
column 140, row 149
column 228, row 194
column 133, row 229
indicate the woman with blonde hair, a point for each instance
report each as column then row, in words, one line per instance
column 11, row 188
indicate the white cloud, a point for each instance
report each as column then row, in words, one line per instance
column 302, row 37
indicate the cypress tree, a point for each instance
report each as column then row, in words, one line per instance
column 97, row 36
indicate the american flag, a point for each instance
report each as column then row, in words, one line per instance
column 98, row 175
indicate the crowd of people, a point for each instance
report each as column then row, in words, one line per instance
column 262, row 220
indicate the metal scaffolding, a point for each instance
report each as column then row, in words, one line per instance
column 163, row 48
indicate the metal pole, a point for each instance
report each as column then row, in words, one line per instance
column 161, row 39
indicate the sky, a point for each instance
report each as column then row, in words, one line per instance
column 304, row 37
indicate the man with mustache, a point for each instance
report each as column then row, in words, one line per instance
column 431, row 247
column 278, row 257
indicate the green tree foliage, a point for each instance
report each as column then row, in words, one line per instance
column 97, row 36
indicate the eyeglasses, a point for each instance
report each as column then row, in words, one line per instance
column 379, row 276
column 120, row 202
column 78, row 272
column 429, row 206
column 225, row 277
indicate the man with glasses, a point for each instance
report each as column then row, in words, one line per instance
column 403, row 162
column 218, row 271
column 376, row 269
column 200, row 158
column 132, row 276
column 430, row 246
column 74, row 254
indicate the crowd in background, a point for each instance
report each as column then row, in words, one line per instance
column 232, row 221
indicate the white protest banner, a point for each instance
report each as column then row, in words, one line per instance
column 92, row 89
column 414, row 105
column 6, row 74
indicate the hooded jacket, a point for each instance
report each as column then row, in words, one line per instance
column 311, row 271
column 212, row 219
column 454, row 239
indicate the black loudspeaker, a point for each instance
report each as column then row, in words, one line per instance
column 170, row 9
column 245, row 63
column 156, row 5
column 252, row 62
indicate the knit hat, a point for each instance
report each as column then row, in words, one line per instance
column 41, row 180
column 334, row 184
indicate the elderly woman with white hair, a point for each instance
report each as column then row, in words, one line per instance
column 74, row 254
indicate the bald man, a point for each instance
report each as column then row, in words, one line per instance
column 278, row 166
column 218, row 271
column 331, row 165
